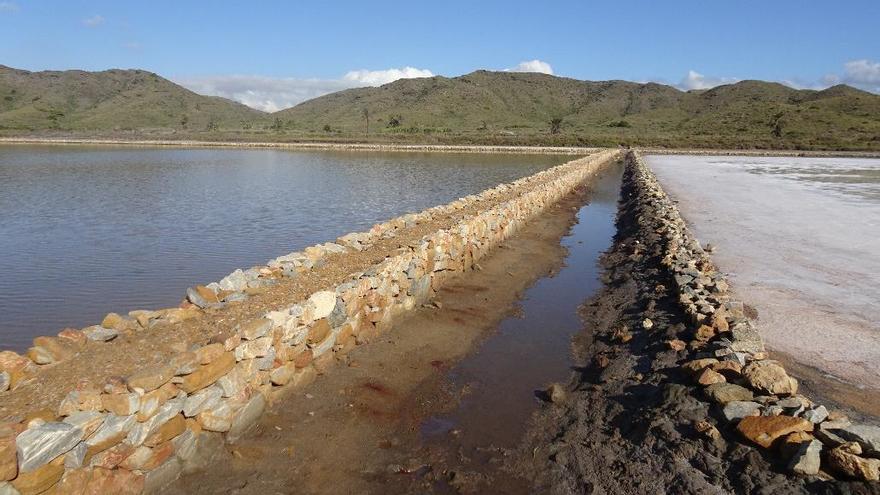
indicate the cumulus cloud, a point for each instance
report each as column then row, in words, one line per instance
column 271, row 94
column 862, row 73
column 93, row 21
column 8, row 7
column 532, row 66
column 379, row 77
column 695, row 80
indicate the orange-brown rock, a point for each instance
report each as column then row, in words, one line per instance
column 209, row 353
column 730, row 369
column 8, row 460
column 303, row 359
column 167, row 431
column 709, row 377
column 697, row 365
column 41, row 479
column 770, row 377
column 100, row 480
column 719, row 322
column 704, row 333
column 208, row 373
column 44, row 414
column 59, row 349
column 111, row 456
column 74, row 336
column 147, row 458
column 676, row 344
column 319, row 331
column 847, row 459
column 765, row 430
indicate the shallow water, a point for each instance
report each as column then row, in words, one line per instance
column 800, row 238
column 532, row 349
column 89, row 230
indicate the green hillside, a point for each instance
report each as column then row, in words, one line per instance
column 109, row 100
column 518, row 107
column 478, row 108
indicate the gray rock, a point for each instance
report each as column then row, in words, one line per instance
column 235, row 281
column 739, row 409
column 829, row 437
column 246, row 417
column 807, row 458
column 39, row 445
column 98, row 333
column 156, row 480
column 185, row 444
column 196, row 298
column 210, row 448
column 265, row 362
column 8, row 489
column 113, row 425
column 866, row 435
column 816, row 415
column 206, row 398
column 235, row 297
column 141, row 431
column 74, row 459
column 5, row 381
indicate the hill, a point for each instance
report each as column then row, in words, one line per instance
column 109, row 100
column 478, row 108
column 518, row 107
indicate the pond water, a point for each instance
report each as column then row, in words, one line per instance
column 89, row 230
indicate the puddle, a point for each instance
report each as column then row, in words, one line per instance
column 532, row 348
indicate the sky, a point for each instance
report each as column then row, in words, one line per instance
column 272, row 55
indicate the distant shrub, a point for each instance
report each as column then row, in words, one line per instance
column 395, row 121
column 620, row 123
column 555, row 125
column 327, row 128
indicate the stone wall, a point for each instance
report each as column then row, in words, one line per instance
column 136, row 434
column 727, row 359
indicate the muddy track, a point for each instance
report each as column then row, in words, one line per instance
column 629, row 422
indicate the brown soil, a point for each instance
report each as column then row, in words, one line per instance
column 146, row 348
column 356, row 429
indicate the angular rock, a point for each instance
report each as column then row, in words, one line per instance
column 867, row 436
column 233, row 382
column 846, row 459
column 769, row 377
column 723, row 393
column 185, row 363
column 208, row 373
column 173, row 427
column 74, row 459
column 209, row 353
column 816, row 415
column 205, row 398
column 97, row 333
column 151, row 378
column 113, row 430
column 146, row 458
column 40, row 479
column 185, row 445
column 162, row 476
column 738, row 409
column 8, row 489
column 253, row 348
column 121, row 404
column 41, row 444
column 235, row 281
column 255, row 329
column 764, row 430
column 246, row 417
column 8, row 460
column 806, row 459
column 5, row 381
column 139, row 432
column 202, row 296
column 323, row 302
column 87, row 421
column 709, row 377
column 218, row 418
column 112, row 457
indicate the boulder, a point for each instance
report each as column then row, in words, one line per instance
column 209, row 353
column 769, row 377
column 806, row 459
column 40, row 479
column 246, row 417
column 709, row 377
column 846, row 459
column 765, row 430
column 8, row 460
column 97, row 333
column 323, row 302
column 723, row 393
column 867, row 436
column 121, row 404
column 255, row 329
column 151, row 378
column 39, row 445
column 202, row 296
column 208, row 374
column 739, row 409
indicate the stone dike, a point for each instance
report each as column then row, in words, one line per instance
column 137, row 432
column 724, row 355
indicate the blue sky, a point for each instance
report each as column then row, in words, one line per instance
column 273, row 54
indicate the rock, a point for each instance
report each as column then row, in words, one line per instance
column 202, row 296
column 113, row 456
column 769, row 377
column 246, row 417
column 97, row 333
column 764, row 430
column 206, row 398
column 56, row 348
column 5, row 381
column 234, row 382
column 151, row 378
column 218, row 418
column 709, row 377
column 704, row 333
column 80, row 400
column 723, row 393
column 113, row 430
column 121, row 404
column 185, row 363
column 324, row 302
column 676, row 344
column 8, row 460
column 731, row 370
column 647, row 324
column 846, row 459
column 696, row 366
column 185, row 445
column 40, row 479
column 739, row 409
column 102, row 480
column 87, row 421
column 868, row 437
column 139, row 432
column 253, row 348
column 118, row 322
column 74, row 459
column 209, row 353
column 167, row 431
column 146, row 458
column 235, row 281
column 319, row 331
column 806, row 459
column 255, row 329
column 555, row 393
column 208, row 374
column 816, row 415
column 162, row 476
column 282, row 374
column 41, row 444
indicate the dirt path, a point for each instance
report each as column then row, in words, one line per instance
column 356, row 430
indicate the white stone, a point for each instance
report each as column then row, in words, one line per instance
column 39, row 445
column 98, row 333
column 206, row 398
column 5, row 381
column 8, row 489
column 253, row 348
column 113, row 425
column 324, row 302
column 185, row 444
column 246, row 417
column 166, row 411
column 235, row 281
column 74, row 459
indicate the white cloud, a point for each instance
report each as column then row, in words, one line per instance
column 380, row 77
column 863, row 74
column 695, row 80
column 95, row 20
column 271, row 94
column 8, row 7
column 532, row 66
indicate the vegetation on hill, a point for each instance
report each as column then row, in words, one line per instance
column 478, row 108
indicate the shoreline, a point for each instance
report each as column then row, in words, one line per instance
column 427, row 148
